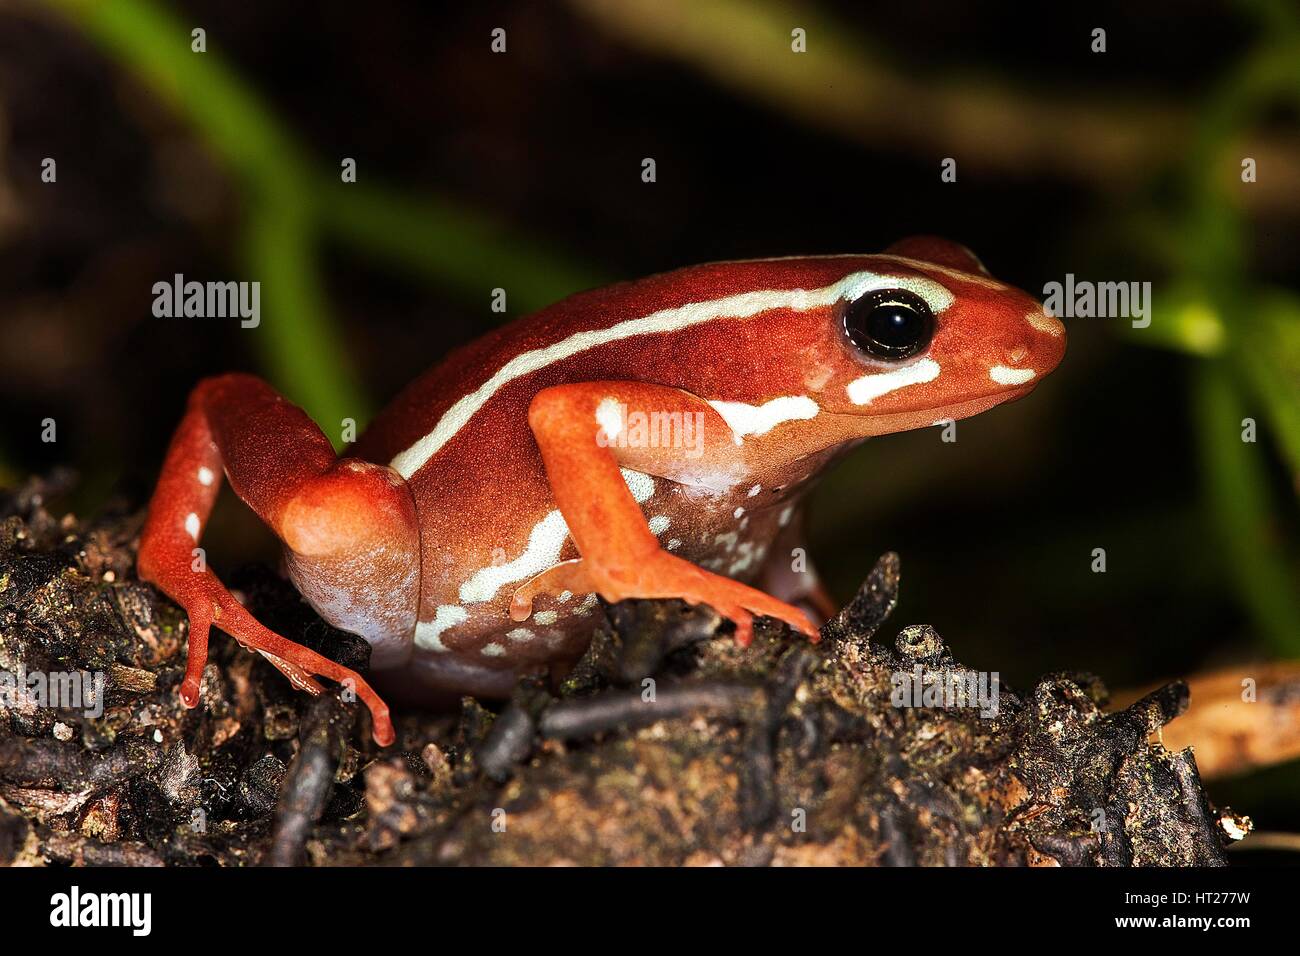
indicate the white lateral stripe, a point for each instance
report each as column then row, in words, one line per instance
column 744, row 419
column 743, row 306
column 545, row 542
column 863, row 390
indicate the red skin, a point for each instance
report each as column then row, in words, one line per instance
column 375, row 553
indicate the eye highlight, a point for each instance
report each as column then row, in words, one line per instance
column 889, row 324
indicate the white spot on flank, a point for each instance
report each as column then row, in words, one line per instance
column 784, row 518
column 742, row 306
column 609, row 416
column 750, row 553
column 738, row 512
column 641, row 485
column 546, row 617
column 755, row 490
column 205, row 475
column 1010, row 376
column 192, row 525
column 428, row 634
column 521, row 635
column 564, row 596
column 863, row 390
column 586, row 607
column 744, row 419
column 659, row 524
column 674, row 544
column 493, row 650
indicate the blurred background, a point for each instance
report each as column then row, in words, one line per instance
column 522, row 170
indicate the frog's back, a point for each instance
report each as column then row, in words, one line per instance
column 550, row 347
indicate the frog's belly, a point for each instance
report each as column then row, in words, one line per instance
column 477, row 649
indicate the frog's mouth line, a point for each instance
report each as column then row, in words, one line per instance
column 974, row 406
column 905, row 420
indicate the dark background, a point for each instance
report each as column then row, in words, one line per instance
column 522, row 171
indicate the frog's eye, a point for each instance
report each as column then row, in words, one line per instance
column 889, row 324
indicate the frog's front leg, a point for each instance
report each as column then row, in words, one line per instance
column 580, row 431
column 327, row 511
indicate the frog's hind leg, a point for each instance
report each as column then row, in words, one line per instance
column 328, row 512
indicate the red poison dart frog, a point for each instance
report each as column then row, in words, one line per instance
column 652, row 439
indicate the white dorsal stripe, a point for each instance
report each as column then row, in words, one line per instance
column 933, row 268
column 742, row 306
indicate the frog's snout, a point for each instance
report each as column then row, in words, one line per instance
column 1039, row 344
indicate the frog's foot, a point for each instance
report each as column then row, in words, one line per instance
column 207, row 602
column 566, row 577
column 664, row 576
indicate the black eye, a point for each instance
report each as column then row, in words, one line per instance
column 890, row 324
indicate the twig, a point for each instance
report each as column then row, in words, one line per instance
column 1235, row 727
column 583, row 718
column 309, row 780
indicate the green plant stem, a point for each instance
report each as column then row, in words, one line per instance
column 1236, row 488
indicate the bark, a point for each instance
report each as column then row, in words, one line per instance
column 667, row 745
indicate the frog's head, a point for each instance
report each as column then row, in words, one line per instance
column 832, row 348
column 926, row 334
